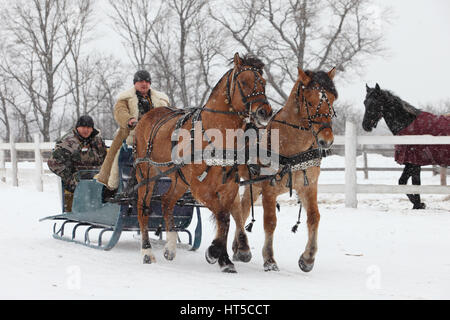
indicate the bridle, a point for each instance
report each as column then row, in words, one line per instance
column 375, row 115
column 232, row 83
column 311, row 118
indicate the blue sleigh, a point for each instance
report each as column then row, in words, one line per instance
column 90, row 212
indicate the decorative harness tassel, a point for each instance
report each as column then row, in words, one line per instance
column 305, row 179
column 295, row 227
column 158, row 231
column 249, row 227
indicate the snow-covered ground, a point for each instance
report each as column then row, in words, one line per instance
column 382, row 250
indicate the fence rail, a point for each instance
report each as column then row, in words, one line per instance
column 350, row 141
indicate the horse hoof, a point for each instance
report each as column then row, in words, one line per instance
column 229, row 268
column 148, row 259
column 419, row 206
column 305, row 266
column 270, row 266
column 169, row 255
column 209, row 257
column 242, row 256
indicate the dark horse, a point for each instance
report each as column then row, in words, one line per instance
column 404, row 119
column 237, row 99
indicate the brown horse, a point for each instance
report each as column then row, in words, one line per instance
column 237, row 99
column 304, row 125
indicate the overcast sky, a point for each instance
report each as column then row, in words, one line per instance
column 418, row 66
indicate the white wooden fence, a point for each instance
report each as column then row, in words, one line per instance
column 350, row 187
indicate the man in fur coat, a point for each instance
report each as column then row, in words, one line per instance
column 130, row 107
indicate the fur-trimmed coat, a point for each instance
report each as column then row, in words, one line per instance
column 125, row 109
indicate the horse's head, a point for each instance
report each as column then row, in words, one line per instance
column 315, row 95
column 374, row 107
column 246, row 90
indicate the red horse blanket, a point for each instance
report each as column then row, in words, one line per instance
column 437, row 154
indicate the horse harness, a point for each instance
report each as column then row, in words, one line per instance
column 306, row 159
column 195, row 115
column 300, row 161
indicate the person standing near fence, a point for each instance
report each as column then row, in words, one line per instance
column 82, row 148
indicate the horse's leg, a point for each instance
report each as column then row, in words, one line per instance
column 168, row 201
column 404, row 179
column 245, row 205
column 308, row 196
column 413, row 171
column 218, row 249
column 241, row 249
column 143, row 206
column 415, row 177
column 218, row 199
column 269, row 201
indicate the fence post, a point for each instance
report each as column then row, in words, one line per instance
column 366, row 170
column 350, row 165
column 2, row 164
column 14, row 171
column 443, row 176
column 38, row 163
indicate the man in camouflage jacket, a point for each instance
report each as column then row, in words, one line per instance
column 81, row 148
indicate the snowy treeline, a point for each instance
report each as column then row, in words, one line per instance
column 52, row 71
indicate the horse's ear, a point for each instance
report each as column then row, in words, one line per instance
column 367, row 88
column 237, row 60
column 303, row 77
column 377, row 87
column 332, row 73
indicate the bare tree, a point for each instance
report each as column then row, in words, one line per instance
column 78, row 66
column 5, row 97
column 133, row 21
column 180, row 45
column 42, row 33
column 109, row 74
column 312, row 34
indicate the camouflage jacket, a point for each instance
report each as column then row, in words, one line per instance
column 72, row 153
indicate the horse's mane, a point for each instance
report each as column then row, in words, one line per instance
column 252, row 61
column 322, row 79
column 395, row 101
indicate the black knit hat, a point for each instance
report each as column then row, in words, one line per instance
column 142, row 75
column 85, row 121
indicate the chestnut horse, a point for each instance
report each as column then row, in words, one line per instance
column 305, row 132
column 237, row 99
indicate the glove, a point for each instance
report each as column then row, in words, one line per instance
column 132, row 123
